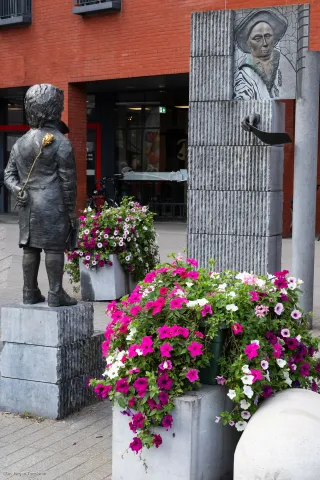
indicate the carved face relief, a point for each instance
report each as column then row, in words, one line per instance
column 261, row 41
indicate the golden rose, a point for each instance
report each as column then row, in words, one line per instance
column 47, row 139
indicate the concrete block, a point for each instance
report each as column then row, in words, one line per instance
column 204, row 86
column 46, row 399
column 235, row 168
column 235, row 213
column 282, row 439
column 237, row 252
column 195, row 448
column 52, row 364
column 42, row 325
column 212, row 33
column 103, row 284
column 219, row 122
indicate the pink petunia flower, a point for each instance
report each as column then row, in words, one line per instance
column 157, row 440
column 164, row 382
column 165, row 350
column 199, row 334
column 277, row 350
column 257, row 375
column 164, row 332
column 221, row 380
column 135, row 310
column 134, row 370
column 192, row 375
column 254, row 296
column 156, row 310
column 206, row 310
column 163, row 398
column 237, row 328
column 195, row 349
column 136, row 445
column 167, row 422
column 177, row 303
column 163, row 291
column 193, row 275
column 251, row 350
column 166, row 365
column 122, row 386
column 296, row 314
column 192, row 262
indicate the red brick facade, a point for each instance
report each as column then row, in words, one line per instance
column 147, row 38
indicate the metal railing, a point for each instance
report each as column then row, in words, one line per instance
column 14, row 8
column 81, row 3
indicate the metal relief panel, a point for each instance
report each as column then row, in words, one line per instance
column 212, row 33
column 266, row 56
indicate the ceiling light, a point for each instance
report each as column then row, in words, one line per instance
column 182, row 106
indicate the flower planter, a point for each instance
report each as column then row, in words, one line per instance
column 104, row 283
column 208, row 375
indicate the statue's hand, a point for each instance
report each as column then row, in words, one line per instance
column 22, row 198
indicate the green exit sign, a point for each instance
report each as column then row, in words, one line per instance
column 162, row 109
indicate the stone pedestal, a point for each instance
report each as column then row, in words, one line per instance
column 235, row 181
column 47, row 356
column 194, row 448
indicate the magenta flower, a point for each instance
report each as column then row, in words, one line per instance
column 157, row 440
column 146, row 345
column 281, row 283
column 166, row 365
column 165, row 350
column 164, row 332
column 138, row 420
column 284, row 298
column 192, row 262
column 105, row 347
column 271, row 338
column 206, row 310
column 305, row 370
column 132, row 401
column 184, row 332
column 141, row 385
column 102, row 391
column 156, row 310
column 257, row 375
column 135, row 310
column 177, row 303
column 237, row 328
column 221, row 380
column 199, row 334
column 192, row 375
column 132, row 350
column 251, row 350
column 296, row 314
column 134, row 298
column 134, row 370
column 160, row 302
column 254, row 296
column 163, row 398
column 318, row 368
column 195, row 349
column 136, row 445
column 149, row 305
column 167, row 422
column 267, row 391
column 163, row 291
column 277, row 350
column 150, row 277
column 164, row 382
column 122, row 386
column 193, row 275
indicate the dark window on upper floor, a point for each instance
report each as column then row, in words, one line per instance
column 87, row 7
column 15, row 12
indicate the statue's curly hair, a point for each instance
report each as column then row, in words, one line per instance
column 43, row 103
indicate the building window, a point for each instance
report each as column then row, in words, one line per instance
column 15, row 11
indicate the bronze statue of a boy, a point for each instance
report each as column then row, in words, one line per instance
column 41, row 174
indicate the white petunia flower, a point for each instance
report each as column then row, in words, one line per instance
column 278, row 309
column 267, row 376
column 261, row 283
column 89, row 209
column 139, row 351
column 244, row 404
column 222, row 287
column 246, row 369
column 217, row 420
column 81, row 254
column 240, row 426
column 202, row 302
column 299, row 282
column 257, row 342
column 99, row 245
column 189, row 284
column 88, row 257
column 247, row 379
column 232, row 294
column 298, row 337
column 264, row 364
column 292, row 286
column 245, row 415
column 281, row 362
column 231, row 394
column 231, row 307
column 86, row 232
column 247, row 390
column 285, row 332
column 94, row 263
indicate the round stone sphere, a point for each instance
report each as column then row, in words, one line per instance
column 282, row 440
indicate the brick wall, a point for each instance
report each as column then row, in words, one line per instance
column 147, row 38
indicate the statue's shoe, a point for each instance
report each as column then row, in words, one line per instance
column 61, row 299
column 31, row 297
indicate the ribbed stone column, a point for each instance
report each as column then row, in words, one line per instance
column 235, row 182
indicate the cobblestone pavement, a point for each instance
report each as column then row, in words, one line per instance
column 78, row 447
